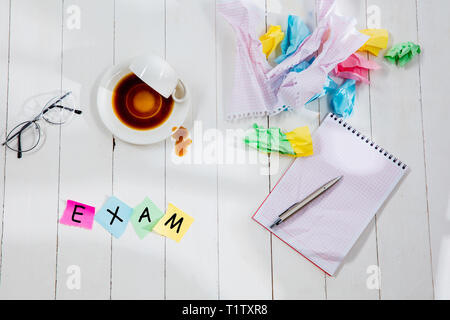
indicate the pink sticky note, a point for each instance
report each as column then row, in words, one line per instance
column 78, row 215
column 356, row 67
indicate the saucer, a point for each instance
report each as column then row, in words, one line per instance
column 106, row 87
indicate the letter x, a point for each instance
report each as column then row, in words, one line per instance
column 114, row 215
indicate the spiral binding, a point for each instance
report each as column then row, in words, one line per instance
column 358, row 134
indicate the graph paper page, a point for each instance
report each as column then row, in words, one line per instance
column 325, row 230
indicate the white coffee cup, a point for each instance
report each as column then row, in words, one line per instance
column 158, row 74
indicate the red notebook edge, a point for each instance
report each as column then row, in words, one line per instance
column 253, row 218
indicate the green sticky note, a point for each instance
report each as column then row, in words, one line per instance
column 268, row 140
column 145, row 216
column 402, row 53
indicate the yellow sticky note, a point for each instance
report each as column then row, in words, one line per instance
column 379, row 39
column 301, row 141
column 174, row 224
column 271, row 40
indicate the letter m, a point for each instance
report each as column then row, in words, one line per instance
column 173, row 224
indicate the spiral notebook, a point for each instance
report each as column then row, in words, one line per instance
column 327, row 228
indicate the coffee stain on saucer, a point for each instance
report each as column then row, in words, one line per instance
column 182, row 141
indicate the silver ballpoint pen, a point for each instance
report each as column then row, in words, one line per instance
column 299, row 205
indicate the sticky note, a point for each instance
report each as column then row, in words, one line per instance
column 343, row 100
column 297, row 31
column 297, row 143
column 301, row 141
column 114, row 216
column 402, row 53
column 78, row 215
column 145, row 216
column 378, row 40
column 174, row 224
column 356, row 67
column 271, row 40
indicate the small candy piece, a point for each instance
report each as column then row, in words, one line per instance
column 379, row 39
column 343, row 99
column 402, row 53
column 271, row 40
column 356, row 67
column 182, row 141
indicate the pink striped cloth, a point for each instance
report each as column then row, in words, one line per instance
column 260, row 90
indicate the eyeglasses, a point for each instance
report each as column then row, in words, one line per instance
column 27, row 135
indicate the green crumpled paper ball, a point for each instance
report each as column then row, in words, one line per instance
column 402, row 53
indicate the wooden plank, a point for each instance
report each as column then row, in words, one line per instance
column 192, row 264
column 244, row 247
column 351, row 280
column 433, row 28
column 4, row 72
column 403, row 240
column 30, row 208
column 85, row 173
column 138, row 265
column 294, row 277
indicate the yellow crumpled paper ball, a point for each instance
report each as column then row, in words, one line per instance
column 378, row 40
column 271, row 40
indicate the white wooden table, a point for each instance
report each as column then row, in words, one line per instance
column 225, row 254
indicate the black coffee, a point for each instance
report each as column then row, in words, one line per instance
column 138, row 106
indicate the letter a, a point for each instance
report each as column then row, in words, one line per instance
column 145, row 214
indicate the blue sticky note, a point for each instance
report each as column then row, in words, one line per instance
column 297, row 31
column 343, row 99
column 114, row 216
column 329, row 88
